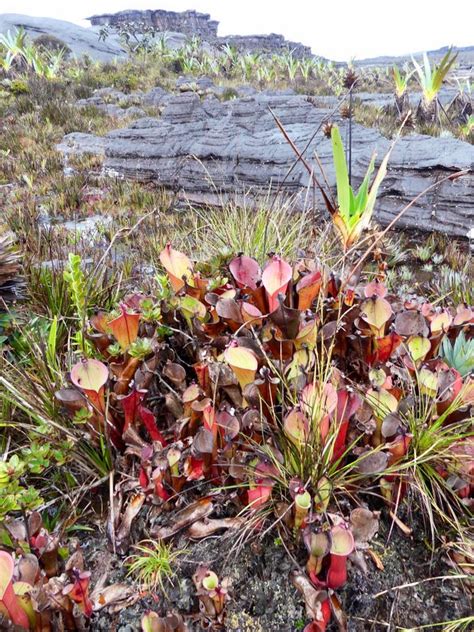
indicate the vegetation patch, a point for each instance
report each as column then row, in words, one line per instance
column 228, row 418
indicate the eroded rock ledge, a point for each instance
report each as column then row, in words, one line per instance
column 211, row 149
column 200, row 24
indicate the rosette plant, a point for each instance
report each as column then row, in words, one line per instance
column 354, row 211
column 431, row 81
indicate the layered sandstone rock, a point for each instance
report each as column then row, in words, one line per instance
column 212, row 149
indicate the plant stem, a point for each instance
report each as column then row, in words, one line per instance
column 350, row 137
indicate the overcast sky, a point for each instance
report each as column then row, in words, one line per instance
column 338, row 29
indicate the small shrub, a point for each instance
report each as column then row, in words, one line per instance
column 18, row 86
column 48, row 42
column 229, row 94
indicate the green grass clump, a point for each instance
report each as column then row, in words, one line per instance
column 153, row 564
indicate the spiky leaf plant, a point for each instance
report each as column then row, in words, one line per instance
column 431, row 80
column 460, row 354
column 400, row 80
column 354, row 210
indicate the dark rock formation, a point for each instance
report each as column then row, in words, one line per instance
column 188, row 22
column 210, row 149
column 79, row 40
column 272, row 43
column 200, row 24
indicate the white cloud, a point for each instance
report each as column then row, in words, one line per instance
column 336, row 29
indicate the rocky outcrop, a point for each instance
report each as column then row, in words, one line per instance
column 212, row 149
column 200, row 24
column 78, row 143
column 272, row 43
column 81, row 41
column 188, row 22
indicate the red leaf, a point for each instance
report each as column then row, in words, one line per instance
column 130, row 404
column 143, row 478
column 125, row 328
column 308, row 289
column 149, row 421
column 79, row 591
column 385, row 347
column 258, row 496
column 194, row 469
column 8, row 598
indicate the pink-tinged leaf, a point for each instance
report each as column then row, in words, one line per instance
column 308, row 289
column 6, row 572
column 296, row 427
column 382, row 402
column 228, row 424
column 450, row 385
column 130, row 404
column 178, row 267
column 89, row 375
column 251, row 314
column 209, row 417
column 245, row 271
column 192, row 393
column 375, row 288
column 159, row 488
column 275, row 279
column 398, row 448
column 440, row 323
column 317, row 401
column 152, row 622
column 463, row 315
column 347, row 404
column 134, row 301
column 125, row 328
column 100, row 322
column 376, row 312
column 307, row 336
column 149, row 422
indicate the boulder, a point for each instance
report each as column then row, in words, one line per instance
column 209, row 149
column 81, row 41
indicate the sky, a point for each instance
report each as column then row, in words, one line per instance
column 337, row 29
